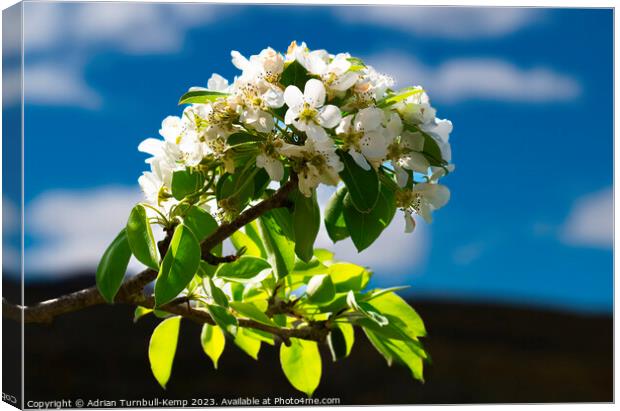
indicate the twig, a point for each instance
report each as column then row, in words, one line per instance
column 131, row 291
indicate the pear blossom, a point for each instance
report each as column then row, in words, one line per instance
column 269, row 159
column 297, row 52
column 422, row 199
column 440, row 130
column 255, row 99
column 307, row 112
column 416, row 108
column 405, row 153
column 383, row 129
column 268, row 65
column 366, row 137
column 319, row 164
column 333, row 70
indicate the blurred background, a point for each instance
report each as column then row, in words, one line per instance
column 514, row 277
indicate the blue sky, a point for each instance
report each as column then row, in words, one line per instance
column 529, row 92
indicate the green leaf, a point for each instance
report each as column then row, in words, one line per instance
column 112, row 267
column 241, row 240
column 238, row 188
column 400, row 96
column 223, row 318
column 367, row 310
column 200, row 96
column 306, row 224
column 363, row 185
column 261, row 182
column 323, row 255
column 337, row 344
column 366, row 227
column 140, row 312
column 349, row 336
column 432, row 152
column 334, row 220
column 295, row 74
column 206, row 270
column 280, row 249
column 179, row 265
column 284, row 218
column 320, row 289
column 301, row 363
column 248, row 343
column 259, row 335
column 186, row 182
column 400, row 314
column 347, row 276
column 163, row 347
column 140, row 237
column 244, row 268
column 251, row 230
column 213, row 342
column 243, row 138
column 218, row 296
column 201, row 222
column 252, row 312
column 398, row 351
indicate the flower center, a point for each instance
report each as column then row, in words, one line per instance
column 308, row 113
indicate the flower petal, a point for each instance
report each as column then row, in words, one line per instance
column 291, row 115
column 315, row 132
column 151, row 146
column 409, row 223
column 293, row 97
column 217, row 83
column 401, row 176
column 314, row 93
column 329, row 116
column 345, row 82
column 238, row 60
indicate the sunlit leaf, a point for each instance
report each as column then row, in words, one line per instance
column 200, row 96
column 248, row 343
column 162, row 349
column 244, row 268
column 252, row 312
column 301, row 363
column 280, row 249
column 213, row 342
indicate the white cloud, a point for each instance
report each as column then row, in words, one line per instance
column 459, row 23
column 394, row 251
column 478, row 79
column 56, row 84
column 11, row 219
column 56, row 32
column 73, row 228
column 130, row 27
column 591, row 221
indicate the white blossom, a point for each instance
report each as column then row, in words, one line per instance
column 307, row 112
column 320, row 164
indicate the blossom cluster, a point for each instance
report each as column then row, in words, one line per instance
column 301, row 112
